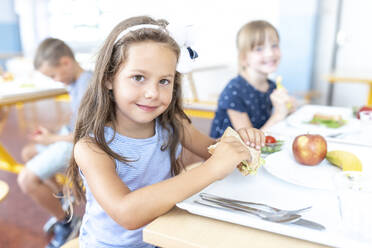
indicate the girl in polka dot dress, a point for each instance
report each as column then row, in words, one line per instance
column 251, row 99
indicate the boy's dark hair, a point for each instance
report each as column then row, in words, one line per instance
column 50, row 51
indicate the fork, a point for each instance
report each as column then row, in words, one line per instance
column 335, row 135
column 206, row 196
column 269, row 216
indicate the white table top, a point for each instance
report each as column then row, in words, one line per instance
column 264, row 187
column 13, row 92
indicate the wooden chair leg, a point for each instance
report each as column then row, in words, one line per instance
column 4, row 190
column 190, row 78
column 7, row 162
column 4, row 112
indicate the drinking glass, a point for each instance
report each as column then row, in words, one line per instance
column 366, row 125
column 366, row 115
column 354, row 191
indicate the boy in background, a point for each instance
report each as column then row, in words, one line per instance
column 49, row 153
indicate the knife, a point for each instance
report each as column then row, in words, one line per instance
column 309, row 224
column 301, row 222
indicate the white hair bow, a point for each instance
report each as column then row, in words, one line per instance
column 183, row 37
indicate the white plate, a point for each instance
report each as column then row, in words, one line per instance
column 303, row 115
column 283, row 165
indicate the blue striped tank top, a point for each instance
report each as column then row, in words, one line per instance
column 151, row 165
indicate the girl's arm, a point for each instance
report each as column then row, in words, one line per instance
column 241, row 122
column 279, row 99
column 239, row 119
column 45, row 137
column 195, row 141
column 271, row 122
column 134, row 209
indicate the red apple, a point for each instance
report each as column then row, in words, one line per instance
column 309, row 149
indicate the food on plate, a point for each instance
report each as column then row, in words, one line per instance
column 309, row 149
column 347, row 161
column 37, row 132
column 357, row 110
column 272, row 145
column 7, row 77
column 270, row 139
column 244, row 167
column 364, row 109
column 330, row 121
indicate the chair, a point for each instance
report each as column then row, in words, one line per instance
column 8, row 163
column 4, row 190
column 335, row 78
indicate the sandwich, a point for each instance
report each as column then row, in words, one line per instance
column 244, row 167
column 326, row 117
column 330, row 121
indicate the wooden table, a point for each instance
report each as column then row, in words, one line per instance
column 20, row 95
column 338, row 78
column 35, row 95
column 180, row 229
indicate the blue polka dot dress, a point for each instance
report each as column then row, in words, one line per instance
column 241, row 96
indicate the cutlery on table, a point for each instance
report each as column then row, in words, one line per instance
column 260, row 213
column 254, row 204
column 269, row 216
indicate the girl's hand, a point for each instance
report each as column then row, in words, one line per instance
column 42, row 136
column 292, row 102
column 227, row 155
column 252, row 137
column 279, row 99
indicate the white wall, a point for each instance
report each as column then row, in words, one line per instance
column 217, row 22
column 33, row 23
column 354, row 53
column 6, row 12
column 324, row 46
column 84, row 24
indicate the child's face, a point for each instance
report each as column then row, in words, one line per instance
column 264, row 59
column 143, row 85
column 63, row 72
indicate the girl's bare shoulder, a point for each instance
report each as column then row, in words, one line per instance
column 85, row 145
column 86, row 151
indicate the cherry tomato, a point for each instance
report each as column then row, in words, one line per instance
column 270, row 139
column 37, row 132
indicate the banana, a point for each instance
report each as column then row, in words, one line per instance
column 279, row 85
column 347, row 161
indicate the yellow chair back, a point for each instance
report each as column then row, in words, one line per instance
column 7, row 162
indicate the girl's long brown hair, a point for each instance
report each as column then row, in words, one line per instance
column 97, row 107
